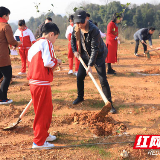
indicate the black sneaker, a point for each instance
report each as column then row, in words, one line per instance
column 113, row 110
column 78, row 100
column 111, row 72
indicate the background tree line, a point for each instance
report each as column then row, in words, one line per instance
column 135, row 17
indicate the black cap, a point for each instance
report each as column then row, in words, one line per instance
column 79, row 16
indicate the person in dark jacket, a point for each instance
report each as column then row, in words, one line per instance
column 93, row 52
column 142, row 35
column 38, row 33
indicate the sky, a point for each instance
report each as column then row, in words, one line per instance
column 25, row 9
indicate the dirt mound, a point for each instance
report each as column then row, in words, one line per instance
column 101, row 127
column 155, row 70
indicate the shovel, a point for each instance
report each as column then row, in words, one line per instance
column 13, row 125
column 152, row 49
column 107, row 107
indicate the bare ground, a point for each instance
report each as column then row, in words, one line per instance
column 135, row 93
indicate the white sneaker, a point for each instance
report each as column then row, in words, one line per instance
column 70, row 72
column 46, row 145
column 135, row 54
column 21, row 73
column 75, row 74
column 8, row 101
column 50, row 138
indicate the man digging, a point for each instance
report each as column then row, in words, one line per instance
column 93, row 52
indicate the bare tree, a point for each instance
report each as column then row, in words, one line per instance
column 154, row 2
column 106, row 1
column 69, row 9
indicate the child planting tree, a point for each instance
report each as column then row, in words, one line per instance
column 40, row 73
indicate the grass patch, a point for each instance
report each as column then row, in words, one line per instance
column 56, row 91
column 15, row 83
column 122, row 106
column 71, row 91
column 58, row 100
column 54, row 115
column 93, row 103
column 130, row 74
column 30, row 112
column 99, row 104
column 137, row 111
column 20, row 102
column 67, row 91
column 102, row 152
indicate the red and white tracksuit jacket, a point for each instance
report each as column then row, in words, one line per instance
column 41, row 62
column 70, row 52
column 27, row 38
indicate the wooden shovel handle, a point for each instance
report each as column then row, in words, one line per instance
column 26, row 109
column 94, row 81
column 154, row 49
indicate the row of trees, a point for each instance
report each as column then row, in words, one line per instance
column 135, row 17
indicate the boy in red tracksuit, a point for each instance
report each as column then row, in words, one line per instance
column 27, row 38
column 41, row 63
column 70, row 52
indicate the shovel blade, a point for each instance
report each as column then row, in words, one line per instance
column 12, row 125
column 104, row 111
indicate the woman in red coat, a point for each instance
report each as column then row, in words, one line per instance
column 111, row 41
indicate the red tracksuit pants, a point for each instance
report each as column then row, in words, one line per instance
column 23, row 54
column 42, row 101
column 70, row 58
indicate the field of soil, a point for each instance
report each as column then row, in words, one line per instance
column 136, row 96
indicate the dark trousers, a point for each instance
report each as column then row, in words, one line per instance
column 109, row 67
column 101, row 70
column 6, row 73
column 137, row 44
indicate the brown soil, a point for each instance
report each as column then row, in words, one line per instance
column 80, row 135
column 103, row 126
column 154, row 70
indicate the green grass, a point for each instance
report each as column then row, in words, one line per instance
column 131, row 74
column 54, row 115
column 67, row 91
column 99, row 104
column 93, row 103
column 101, row 150
column 19, row 102
column 71, row 91
column 122, row 106
column 59, row 100
column 56, row 91
column 31, row 112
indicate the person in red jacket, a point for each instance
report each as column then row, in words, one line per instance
column 70, row 52
column 42, row 62
column 27, row 38
column 112, row 41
